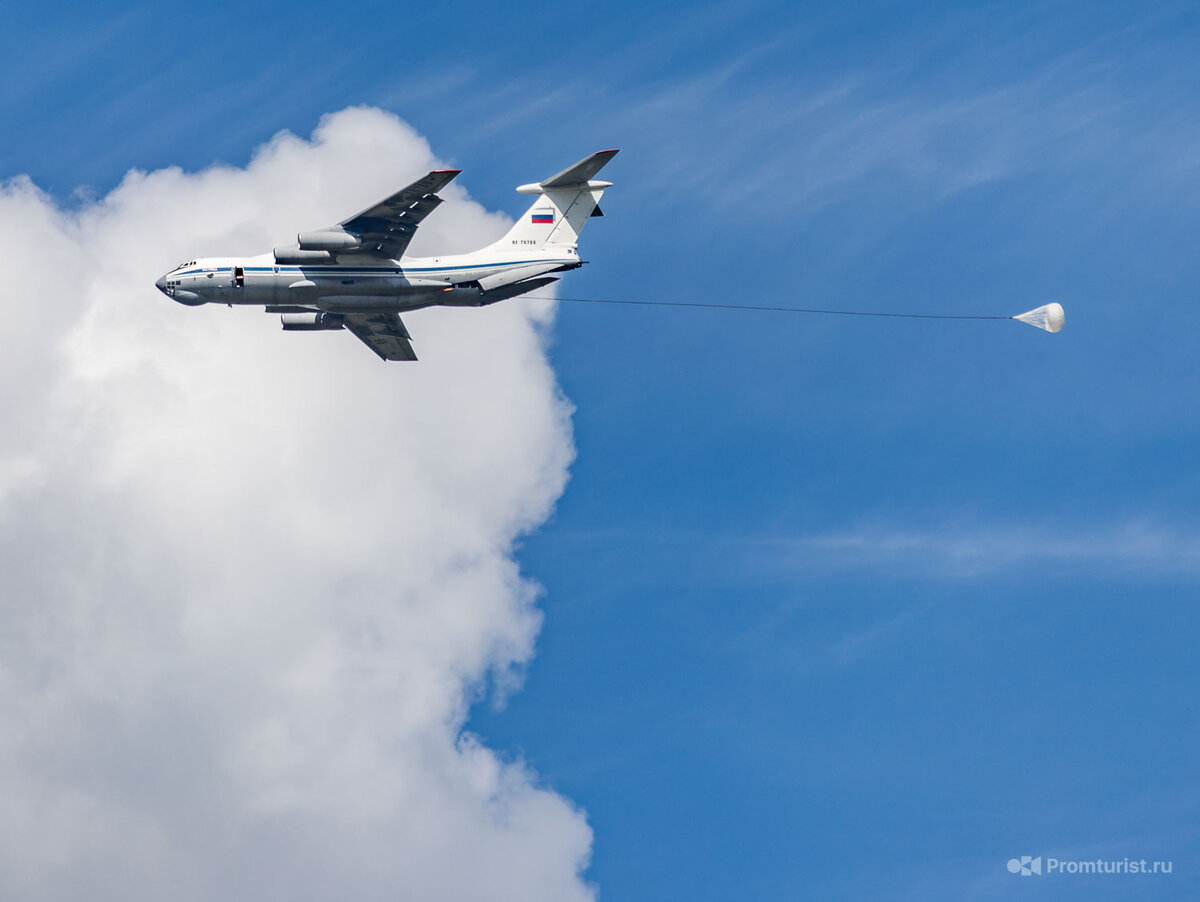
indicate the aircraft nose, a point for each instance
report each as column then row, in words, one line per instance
column 161, row 284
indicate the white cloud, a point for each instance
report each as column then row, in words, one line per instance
column 253, row 580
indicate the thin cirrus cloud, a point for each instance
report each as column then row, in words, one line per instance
column 254, row 580
column 1134, row 549
column 785, row 121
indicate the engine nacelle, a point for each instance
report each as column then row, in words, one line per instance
column 329, row 240
column 312, row 322
column 292, row 256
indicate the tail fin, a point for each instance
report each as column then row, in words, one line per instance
column 564, row 203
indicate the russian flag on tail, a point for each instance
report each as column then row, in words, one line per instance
column 545, row 217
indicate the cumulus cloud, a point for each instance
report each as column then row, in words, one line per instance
column 253, row 580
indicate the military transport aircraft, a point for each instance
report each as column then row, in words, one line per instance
column 355, row 275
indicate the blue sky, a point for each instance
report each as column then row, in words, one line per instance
column 833, row 607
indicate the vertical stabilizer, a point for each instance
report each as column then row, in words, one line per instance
column 564, row 203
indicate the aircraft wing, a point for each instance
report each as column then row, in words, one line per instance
column 383, row 333
column 388, row 227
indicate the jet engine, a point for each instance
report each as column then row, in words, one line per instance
column 312, row 322
column 329, row 240
column 292, row 256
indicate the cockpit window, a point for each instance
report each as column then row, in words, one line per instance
column 189, row 263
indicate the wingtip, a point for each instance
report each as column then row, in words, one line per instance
column 455, row 171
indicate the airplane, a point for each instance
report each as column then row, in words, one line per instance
column 355, row 275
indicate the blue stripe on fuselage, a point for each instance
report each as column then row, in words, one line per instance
column 373, row 270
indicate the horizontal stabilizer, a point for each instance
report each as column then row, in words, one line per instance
column 581, row 172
